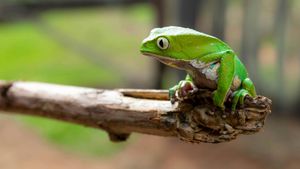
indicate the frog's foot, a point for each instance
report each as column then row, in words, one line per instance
column 182, row 90
column 238, row 97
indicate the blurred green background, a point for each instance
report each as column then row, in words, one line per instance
column 95, row 43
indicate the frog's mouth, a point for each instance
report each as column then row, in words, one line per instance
column 177, row 63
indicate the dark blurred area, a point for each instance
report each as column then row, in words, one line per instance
column 18, row 9
column 96, row 43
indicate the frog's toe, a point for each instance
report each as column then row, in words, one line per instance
column 173, row 93
column 242, row 96
column 238, row 97
column 235, row 100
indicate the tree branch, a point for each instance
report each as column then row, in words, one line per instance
column 123, row 111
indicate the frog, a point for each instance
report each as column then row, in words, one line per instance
column 209, row 63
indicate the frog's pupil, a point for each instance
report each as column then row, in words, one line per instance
column 161, row 43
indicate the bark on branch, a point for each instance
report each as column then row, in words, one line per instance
column 123, row 111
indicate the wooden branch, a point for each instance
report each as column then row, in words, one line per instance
column 123, row 111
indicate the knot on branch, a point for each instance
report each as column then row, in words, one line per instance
column 4, row 88
column 199, row 120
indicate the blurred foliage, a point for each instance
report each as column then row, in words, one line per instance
column 27, row 52
column 113, row 31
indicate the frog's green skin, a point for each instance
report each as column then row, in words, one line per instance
column 209, row 62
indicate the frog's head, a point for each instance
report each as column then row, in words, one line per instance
column 173, row 45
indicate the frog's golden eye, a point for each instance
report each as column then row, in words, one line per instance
column 162, row 43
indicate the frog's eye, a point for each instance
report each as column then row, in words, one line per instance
column 162, row 43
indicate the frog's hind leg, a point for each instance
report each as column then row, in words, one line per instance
column 239, row 95
column 249, row 86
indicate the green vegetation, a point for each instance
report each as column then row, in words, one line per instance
column 27, row 54
column 30, row 52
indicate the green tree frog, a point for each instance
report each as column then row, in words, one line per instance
column 209, row 63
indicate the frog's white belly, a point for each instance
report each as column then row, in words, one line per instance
column 210, row 70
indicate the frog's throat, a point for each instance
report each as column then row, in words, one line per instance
column 176, row 63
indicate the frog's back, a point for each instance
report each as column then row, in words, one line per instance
column 176, row 31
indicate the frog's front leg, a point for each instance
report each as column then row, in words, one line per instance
column 182, row 89
column 225, row 78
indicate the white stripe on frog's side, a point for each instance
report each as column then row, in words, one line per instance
column 208, row 69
